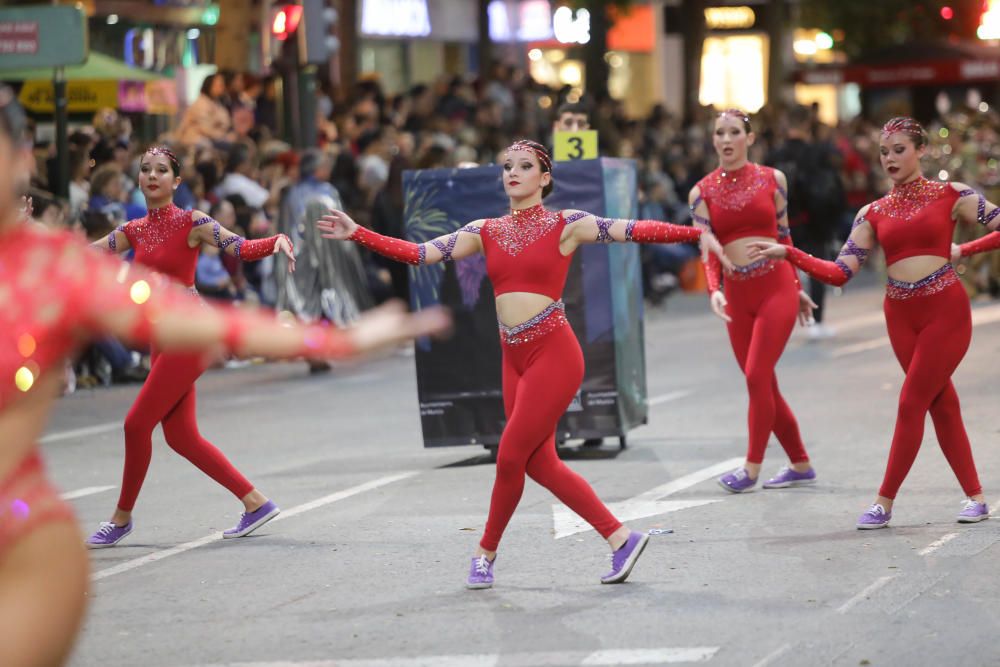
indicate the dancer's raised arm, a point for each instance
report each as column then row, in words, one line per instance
column 140, row 306
column 851, row 258
column 462, row 243
column 974, row 207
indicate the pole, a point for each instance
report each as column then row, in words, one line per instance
column 62, row 132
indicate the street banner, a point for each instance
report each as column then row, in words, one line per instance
column 458, row 379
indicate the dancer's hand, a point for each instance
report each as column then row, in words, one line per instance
column 806, row 307
column 390, row 324
column 719, row 303
column 956, row 253
column 709, row 244
column 336, row 225
column 762, row 249
column 285, row 246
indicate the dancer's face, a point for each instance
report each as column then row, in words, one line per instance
column 157, row 179
column 731, row 140
column 523, row 175
column 900, row 157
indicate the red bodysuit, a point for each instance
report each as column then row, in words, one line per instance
column 929, row 322
column 762, row 299
column 542, row 360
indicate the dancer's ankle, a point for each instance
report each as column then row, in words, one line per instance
column 801, row 466
column 490, row 555
column 121, row 517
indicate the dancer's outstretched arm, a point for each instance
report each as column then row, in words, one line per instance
column 972, row 206
column 129, row 302
column 116, row 242
column 852, row 256
column 588, row 228
column 462, row 243
column 701, row 219
column 209, row 231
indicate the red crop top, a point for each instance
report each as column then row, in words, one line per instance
column 160, row 241
column 741, row 202
column 914, row 219
column 522, row 252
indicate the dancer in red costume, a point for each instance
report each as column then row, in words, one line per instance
column 759, row 300
column 55, row 295
column 168, row 240
column 528, row 254
column 927, row 312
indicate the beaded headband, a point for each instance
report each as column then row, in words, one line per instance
column 904, row 125
column 537, row 149
column 734, row 113
column 163, row 150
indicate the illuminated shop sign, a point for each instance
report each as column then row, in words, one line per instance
column 730, row 18
column 535, row 21
column 395, row 18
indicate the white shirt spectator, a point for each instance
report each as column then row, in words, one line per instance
column 253, row 193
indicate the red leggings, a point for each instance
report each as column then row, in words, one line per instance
column 763, row 309
column 930, row 334
column 540, row 378
column 168, row 397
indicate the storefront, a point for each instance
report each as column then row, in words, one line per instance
column 734, row 59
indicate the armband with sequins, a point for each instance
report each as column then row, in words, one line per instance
column 250, row 250
column 983, row 244
column 387, row 246
column 832, row 273
column 654, row 231
column 713, row 273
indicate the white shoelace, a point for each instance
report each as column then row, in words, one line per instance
column 876, row 510
column 105, row 528
column 483, row 565
column 784, row 470
column 740, row 473
column 969, row 504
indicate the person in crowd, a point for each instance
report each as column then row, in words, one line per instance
column 207, row 121
column 528, row 252
column 927, row 312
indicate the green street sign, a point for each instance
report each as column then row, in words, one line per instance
column 46, row 36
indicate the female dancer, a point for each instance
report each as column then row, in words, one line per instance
column 168, row 241
column 55, row 295
column 528, row 254
column 741, row 201
column 927, row 311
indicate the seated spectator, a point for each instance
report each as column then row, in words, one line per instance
column 207, row 121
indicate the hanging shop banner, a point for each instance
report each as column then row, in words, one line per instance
column 84, row 96
column 458, row 379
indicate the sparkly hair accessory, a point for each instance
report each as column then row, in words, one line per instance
column 904, row 125
column 163, row 150
column 536, row 148
column 734, row 113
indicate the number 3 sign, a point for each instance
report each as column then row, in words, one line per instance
column 575, row 145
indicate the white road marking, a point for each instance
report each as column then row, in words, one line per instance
column 871, row 588
column 86, row 491
column 299, row 509
column 668, row 397
column 81, row 432
column 648, row 656
column 984, row 315
column 937, row 544
column 773, row 655
column 649, row 503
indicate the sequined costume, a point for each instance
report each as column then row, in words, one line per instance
column 167, row 397
column 762, row 297
column 929, row 321
column 56, row 294
column 542, row 359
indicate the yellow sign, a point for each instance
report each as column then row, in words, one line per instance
column 575, row 145
column 730, row 18
column 84, row 96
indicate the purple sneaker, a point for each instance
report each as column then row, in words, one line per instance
column 481, row 573
column 108, row 535
column 787, row 477
column 875, row 517
column 973, row 512
column 737, row 481
column 625, row 557
column 251, row 521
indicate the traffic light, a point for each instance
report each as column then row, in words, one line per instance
column 320, row 42
column 286, row 20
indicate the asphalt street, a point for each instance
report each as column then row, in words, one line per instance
column 366, row 565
